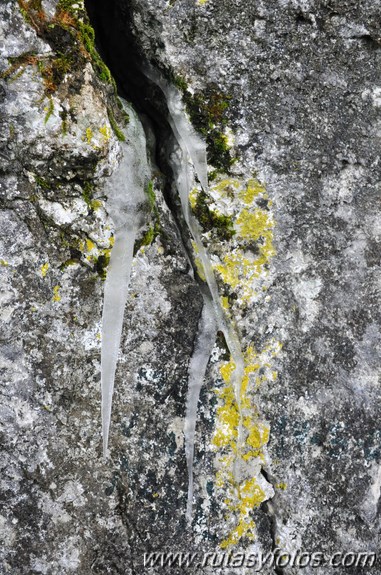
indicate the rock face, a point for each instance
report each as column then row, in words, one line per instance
column 287, row 95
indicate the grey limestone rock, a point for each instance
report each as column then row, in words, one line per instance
column 291, row 91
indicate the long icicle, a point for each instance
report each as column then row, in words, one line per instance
column 205, row 340
column 115, row 297
column 192, row 147
column 126, row 197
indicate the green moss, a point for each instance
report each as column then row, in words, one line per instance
column 222, row 225
column 71, row 6
column 87, row 193
column 49, row 110
column 101, row 265
column 17, row 62
column 68, row 263
column 64, row 116
column 70, row 35
column 180, row 82
column 117, row 131
column 208, row 115
column 149, row 236
column 154, row 229
column 151, row 196
column 42, row 183
column 72, row 40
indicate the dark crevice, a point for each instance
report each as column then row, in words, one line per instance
column 269, row 510
column 119, row 47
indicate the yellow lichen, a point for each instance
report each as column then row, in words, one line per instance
column 106, row 132
column 193, row 197
column 227, row 186
column 249, row 496
column 225, row 303
column 255, row 224
column 3, row 262
column 240, row 436
column 248, row 261
column 200, row 269
column 44, row 269
column 252, row 190
column 89, row 245
column 56, row 294
column 89, row 135
column 242, row 265
column 95, row 204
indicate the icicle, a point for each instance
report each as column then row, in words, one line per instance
column 115, row 297
column 205, row 340
column 192, row 147
column 125, row 192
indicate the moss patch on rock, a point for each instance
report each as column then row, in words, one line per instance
column 210, row 220
column 72, row 40
column 207, row 111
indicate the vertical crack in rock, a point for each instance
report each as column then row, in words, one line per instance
column 270, row 512
column 178, row 144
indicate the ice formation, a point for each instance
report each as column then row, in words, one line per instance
column 126, row 197
column 191, row 148
column 206, row 336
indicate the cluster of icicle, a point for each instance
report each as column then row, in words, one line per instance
column 192, row 150
column 125, row 195
column 125, row 199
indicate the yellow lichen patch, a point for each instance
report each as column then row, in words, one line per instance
column 252, row 190
column 241, row 263
column 200, row 269
column 233, row 269
column 199, row 266
column 227, row 187
column 89, row 135
column 106, row 132
column 243, row 529
column 201, row 2
column 245, row 266
column 240, row 437
column 3, row 262
column 282, row 486
column 44, row 269
column 228, row 419
column 255, row 224
column 193, row 197
column 56, row 293
column 249, row 496
column 89, row 245
column 258, row 435
column 95, row 204
column 225, row 303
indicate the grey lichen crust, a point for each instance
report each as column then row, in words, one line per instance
column 289, row 94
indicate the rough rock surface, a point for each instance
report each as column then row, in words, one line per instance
column 295, row 87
